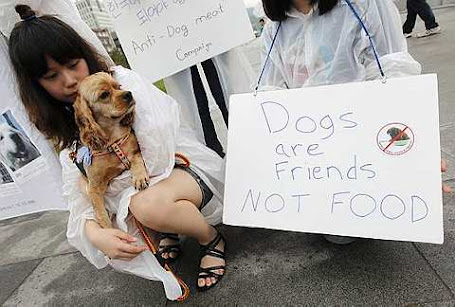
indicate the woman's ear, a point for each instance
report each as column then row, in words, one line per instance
column 91, row 133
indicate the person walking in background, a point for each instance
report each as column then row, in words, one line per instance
column 421, row 8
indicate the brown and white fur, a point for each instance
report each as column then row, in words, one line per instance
column 105, row 114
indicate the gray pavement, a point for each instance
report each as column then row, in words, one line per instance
column 38, row 267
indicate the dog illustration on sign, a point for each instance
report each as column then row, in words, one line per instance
column 398, row 135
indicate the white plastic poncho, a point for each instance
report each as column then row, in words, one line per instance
column 333, row 48
column 160, row 136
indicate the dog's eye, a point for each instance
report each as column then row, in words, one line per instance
column 104, row 95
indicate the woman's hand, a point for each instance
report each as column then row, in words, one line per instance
column 445, row 188
column 115, row 243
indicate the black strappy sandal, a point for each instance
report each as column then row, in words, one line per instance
column 176, row 249
column 211, row 250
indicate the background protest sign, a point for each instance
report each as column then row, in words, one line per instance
column 30, row 173
column 357, row 159
column 162, row 37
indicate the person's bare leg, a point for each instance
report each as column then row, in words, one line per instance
column 172, row 206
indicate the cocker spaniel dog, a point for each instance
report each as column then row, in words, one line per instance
column 105, row 114
column 16, row 149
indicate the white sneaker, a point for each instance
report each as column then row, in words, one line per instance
column 339, row 240
column 428, row 32
column 408, row 35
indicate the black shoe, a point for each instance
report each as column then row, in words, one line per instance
column 211, row 250
column 170, row 249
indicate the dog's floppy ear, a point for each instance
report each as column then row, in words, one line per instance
column 91, row 133
column 128, row 120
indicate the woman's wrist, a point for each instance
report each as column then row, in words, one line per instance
column 91, row 230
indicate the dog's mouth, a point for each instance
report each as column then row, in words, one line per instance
column 132, row 105
column 130, row 109
column 22, row 154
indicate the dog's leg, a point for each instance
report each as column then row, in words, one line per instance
column 96, row 194
column 139, row 173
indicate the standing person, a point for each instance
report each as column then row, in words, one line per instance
column 310, row 43
column 421, row 8
column 213, row 80
column 50, row 61
column 322, row 42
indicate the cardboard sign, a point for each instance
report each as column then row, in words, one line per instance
column 162, row 37
column 358, row 159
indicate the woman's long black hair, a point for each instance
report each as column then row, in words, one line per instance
column 31, row 42
column 276, row 9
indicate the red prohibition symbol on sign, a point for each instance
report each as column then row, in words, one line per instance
column 395, row 139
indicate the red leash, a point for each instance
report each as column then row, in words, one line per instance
column 154, row 250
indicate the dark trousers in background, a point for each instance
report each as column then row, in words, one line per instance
column 421, row 8
column 213, row 79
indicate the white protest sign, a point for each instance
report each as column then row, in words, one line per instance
column 358, row 159
column 162, row 37
column 30, row 174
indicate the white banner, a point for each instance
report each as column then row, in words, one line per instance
column 358, row 159
column 162, row 37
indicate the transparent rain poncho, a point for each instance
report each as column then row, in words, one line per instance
column 333, row 48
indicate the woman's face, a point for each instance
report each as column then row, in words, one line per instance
column 301, row 3
column 62, row 81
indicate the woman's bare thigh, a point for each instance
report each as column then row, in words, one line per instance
column 178, row 186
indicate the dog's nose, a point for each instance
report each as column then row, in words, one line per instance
column 127, row 96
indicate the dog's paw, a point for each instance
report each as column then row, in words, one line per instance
column 141, row 183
